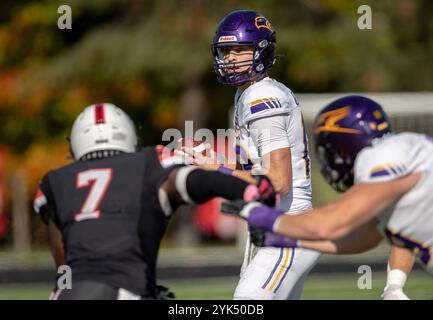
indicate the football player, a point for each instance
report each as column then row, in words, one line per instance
column 271, row 139
column 388, row 178
column 107, row 212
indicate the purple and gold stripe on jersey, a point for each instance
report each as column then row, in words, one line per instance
column 379, row 173
column 280, row 270
column 388, row 170
column 263, row 104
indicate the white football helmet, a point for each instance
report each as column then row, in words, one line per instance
column 102, row 127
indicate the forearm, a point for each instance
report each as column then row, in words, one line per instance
column 342, row 246
column 360, row 240
column 325, row 246
column 244, row 175
column 311, row 225
column 353, row 209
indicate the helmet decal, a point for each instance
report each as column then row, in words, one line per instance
column 330, row 119
column 227, row 39
column 341, row 130
column 99, row 113
column 262, row 22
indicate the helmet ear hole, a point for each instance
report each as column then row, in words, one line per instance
column 260, row 68
column 262, row 44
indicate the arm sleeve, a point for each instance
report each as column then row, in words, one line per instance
column 268, row 101
column 193, row 185
column 381, row 164
column 270, row 133
column 204, row 185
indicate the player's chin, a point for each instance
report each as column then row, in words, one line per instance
column 231, row 72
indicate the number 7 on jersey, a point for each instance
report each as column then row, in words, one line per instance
column 98, row 180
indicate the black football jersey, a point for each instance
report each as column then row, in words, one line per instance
column 110, row 217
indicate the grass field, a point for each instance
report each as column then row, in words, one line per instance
column 334, row 287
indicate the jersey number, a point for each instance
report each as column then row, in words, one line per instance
column 98, row 180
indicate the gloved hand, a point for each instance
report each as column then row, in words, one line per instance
column 262, row 238
column 268, row 196
column 258, row 215
column 394, row 292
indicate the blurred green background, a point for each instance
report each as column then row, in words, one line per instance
column 152, row 58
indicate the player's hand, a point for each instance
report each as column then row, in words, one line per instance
column 199, row 154
column 394, row 292
column 262, row 238
column 268, row 195
column 258, row 215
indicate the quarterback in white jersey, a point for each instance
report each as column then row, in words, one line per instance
column 389, row 178
column 267, row 117
column 270, row 139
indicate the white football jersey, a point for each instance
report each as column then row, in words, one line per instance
column 408, row 222
column 264, row 99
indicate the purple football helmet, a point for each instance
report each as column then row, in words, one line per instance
column 341, row 130
column 243, row 28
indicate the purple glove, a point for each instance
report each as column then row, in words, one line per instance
column 262, row 238
column 260, row 217
column 275, row 240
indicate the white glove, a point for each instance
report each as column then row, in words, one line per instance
column 394, row 292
